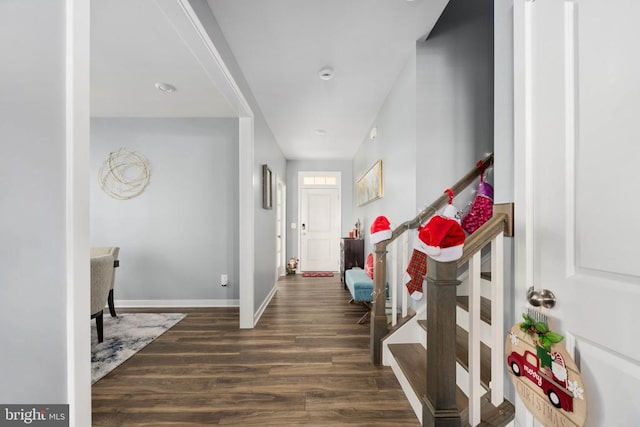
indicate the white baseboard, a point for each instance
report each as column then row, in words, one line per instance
column 258, row 314
column 186, row 303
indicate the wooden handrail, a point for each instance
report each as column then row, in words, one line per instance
column 378, row 315
column 439, row 203
column 483, row 236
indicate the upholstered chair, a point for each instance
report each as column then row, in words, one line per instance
column 101, row 275
column 113, row 251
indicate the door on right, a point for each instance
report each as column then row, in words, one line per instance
column 577, row 151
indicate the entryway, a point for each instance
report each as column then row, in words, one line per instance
column 319, row 219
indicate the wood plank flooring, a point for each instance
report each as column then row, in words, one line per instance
column 306, row 363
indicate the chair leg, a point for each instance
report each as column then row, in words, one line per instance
column 365, row 317
column 99, row 326
column 112, row 308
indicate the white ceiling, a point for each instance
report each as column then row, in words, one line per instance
column 280, row 45
column 133, row 46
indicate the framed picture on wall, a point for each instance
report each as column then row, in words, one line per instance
column 267, row 186
column 369, row 186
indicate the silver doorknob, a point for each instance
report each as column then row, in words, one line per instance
column 543, row 297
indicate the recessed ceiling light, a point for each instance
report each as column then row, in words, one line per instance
column 320, row 132
column 326, row 74
column 165, row 87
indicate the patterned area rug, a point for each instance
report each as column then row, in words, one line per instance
column 124, row 336
column 317, row 274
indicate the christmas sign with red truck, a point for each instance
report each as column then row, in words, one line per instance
column 544, row 374
column 528, row 365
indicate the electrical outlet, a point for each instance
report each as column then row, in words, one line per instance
column 224, row 279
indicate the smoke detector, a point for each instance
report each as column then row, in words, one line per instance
column 165, row 87
column 326, row 73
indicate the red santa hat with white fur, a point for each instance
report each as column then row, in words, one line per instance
column 380, row 230
column 443, row 237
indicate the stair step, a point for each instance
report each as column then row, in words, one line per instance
column 486, row 275
column 412, row 360
column 462, row 354
column 497, row 417
column 485, row 307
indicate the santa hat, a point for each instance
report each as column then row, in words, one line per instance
column 380, row 230
column 443, row 237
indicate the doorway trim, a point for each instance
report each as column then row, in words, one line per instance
column 77, row 63
column 77, row 47
column 190, row 28
column 281, row 192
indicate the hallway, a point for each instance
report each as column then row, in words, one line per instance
column 306, row 363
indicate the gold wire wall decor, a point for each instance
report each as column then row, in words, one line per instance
column 124, row 174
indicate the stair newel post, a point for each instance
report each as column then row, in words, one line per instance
column 439, row 407
column 378, row 314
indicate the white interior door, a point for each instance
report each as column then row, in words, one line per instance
column 319, row 229
column 577, row 106
column 280, row 229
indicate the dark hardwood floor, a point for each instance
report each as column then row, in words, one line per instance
column 305, row 363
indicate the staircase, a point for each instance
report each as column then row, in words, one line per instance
column 449, row 357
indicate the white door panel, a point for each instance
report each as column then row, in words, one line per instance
column 577, row 87
column 319, row 229
column 280, row 229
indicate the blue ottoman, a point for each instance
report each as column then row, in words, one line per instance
column 360, row 286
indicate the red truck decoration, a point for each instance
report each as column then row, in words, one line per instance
column 553, row 382
column 545, row 376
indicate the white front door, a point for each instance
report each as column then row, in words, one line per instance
column 577, row 109
column 319, row 229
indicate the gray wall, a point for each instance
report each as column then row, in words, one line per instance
column 454, row 97
column 32, row 201
column 503, row 146
column 293, row 167
column 503, row 100
column 437, row 121
column 266, row 151
column 181, row 234
column 395, row 145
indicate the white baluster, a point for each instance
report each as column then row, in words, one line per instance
column 394, row 282
column 475, row 388
column 405, row 261
column 497, row 319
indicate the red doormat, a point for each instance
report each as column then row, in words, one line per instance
column 317, row 274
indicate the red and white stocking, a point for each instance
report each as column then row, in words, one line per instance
column 413, row 278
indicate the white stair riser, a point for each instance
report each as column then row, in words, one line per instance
column 462, row 378
column 410, row 332
column 414, row 400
